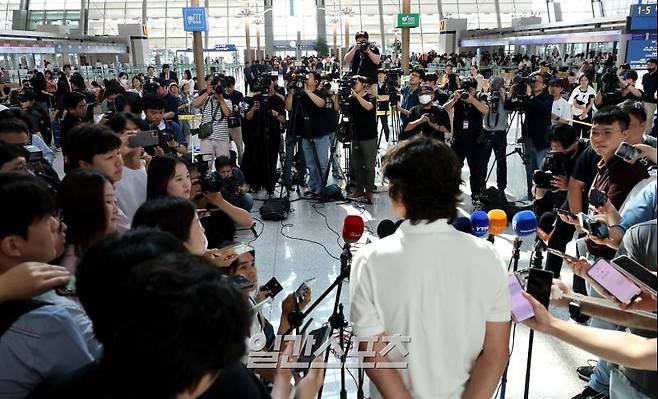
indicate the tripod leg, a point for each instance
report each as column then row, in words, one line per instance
column 526, row 391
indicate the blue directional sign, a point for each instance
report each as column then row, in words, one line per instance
column 195, row 19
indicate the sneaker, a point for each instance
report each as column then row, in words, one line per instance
column 590, row 393
column 585, row 372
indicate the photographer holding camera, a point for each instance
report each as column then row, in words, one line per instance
column 426, row 118
column 306, row 104
column 216, row 109
column 538, row 106
column 495, row 127
column 234, row 121
column 264, row 114
column 364, row 58
column 362, row 108
column 469, row 141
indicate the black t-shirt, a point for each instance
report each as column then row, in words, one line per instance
column 363, row 65
column 382, row 90
column 467, row 121
column 317, row 122
column 650, row 85
column 538, row 119
column 235, row 98
column 331, row 114
column 219, row 228
column 438, row 113
column 364, row 123
column 441, row 96
column 274, row 103
column 171, row 105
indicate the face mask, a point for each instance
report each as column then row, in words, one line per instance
column 425, row 99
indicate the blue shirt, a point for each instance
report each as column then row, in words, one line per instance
column 409, row 100
column 641, row 208
column 48, row 154
column 41, row 344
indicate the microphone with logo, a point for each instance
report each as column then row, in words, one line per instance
column 524, row 224
column 479, row 223
column 463, row 224
column 497, row 223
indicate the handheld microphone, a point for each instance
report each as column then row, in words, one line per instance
column 480, row 223
column 385, row 228
column 524, row 223
column 497, row 222
column 353, row 227
column 463, row 224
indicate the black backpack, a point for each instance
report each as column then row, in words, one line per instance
column 493, row 198
column 275, row 209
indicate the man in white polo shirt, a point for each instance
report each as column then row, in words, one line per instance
column 444, row 289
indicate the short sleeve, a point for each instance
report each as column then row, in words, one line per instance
column 501, row 305
column 363, row 312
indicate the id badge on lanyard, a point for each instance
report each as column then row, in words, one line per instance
column 465, row 125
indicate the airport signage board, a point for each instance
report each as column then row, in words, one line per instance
column 195, row 19
column 408, row 20
column 639, row 51
column 225, row 47
column 643, row 17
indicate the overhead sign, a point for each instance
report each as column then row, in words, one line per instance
column 195, row 19
column 408, row 20
column 638, row 52
column 643, row 16
column 225, row 47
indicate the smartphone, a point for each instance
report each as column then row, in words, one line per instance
column 147, row 138
column 521, row 307
column 597, row 229
column 299, row 292
column 539, row 285
column 597, row 198
column 637, row 273
column 561, row 255
column 627, row 152
column 68, row 289
column 320, row 336
column 241, row 282
column 564, row 213
column 273, row 286
column 614, row 282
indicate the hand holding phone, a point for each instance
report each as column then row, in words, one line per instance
column 628, row 152
column 303, row 288
column 562, row 255
column 637, row 273
column 148, row 138
column 521, row 307
column 273, row 287
column 591, row 226
column 613, row 281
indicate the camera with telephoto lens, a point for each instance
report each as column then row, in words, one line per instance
column 217, row 83
column 212, row 183
column 467, row 84
column 33, row 159
column 554, row 164
column 297, row 81
column 363, row 46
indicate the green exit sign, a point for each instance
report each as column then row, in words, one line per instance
column 408, row 20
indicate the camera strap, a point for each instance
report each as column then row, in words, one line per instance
column 213, row 110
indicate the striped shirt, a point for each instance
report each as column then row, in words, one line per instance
column 220, row 125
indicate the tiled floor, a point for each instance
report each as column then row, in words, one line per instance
column 292, row 261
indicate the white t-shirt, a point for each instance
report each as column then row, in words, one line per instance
column 437, row 286
column 581, row 97
column 130, row 191
column 562, row 109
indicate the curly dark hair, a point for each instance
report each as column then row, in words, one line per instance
column 424, row 174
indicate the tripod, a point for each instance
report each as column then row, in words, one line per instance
column 336, row 320
column 345, row 127
column 518, row 116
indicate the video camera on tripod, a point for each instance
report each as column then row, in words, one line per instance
column 262, row 83
column 345, row 85
column 610, row 83
column 520, row 85
column 213, row 183
column 297, row 81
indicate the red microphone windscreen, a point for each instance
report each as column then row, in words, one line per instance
column 353, row 227
column 497, row 221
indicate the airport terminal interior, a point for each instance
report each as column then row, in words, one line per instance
column 469, row 74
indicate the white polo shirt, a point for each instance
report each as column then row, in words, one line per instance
column 562, row 109
column 438, row 286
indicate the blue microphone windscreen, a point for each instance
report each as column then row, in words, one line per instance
column 462, row 224
column 479, row 223
column 524, row 223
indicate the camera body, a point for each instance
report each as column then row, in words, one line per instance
column 364, row 46
column 217, row 83
column 262, row 83
column 297, row 82
column 345, row 85
column 554, row 165
column 33, row 157
column 519, row 94
column 212, row 183
column 492, row 99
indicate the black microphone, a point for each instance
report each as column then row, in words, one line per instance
column 385, row 228
column 543, row 235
